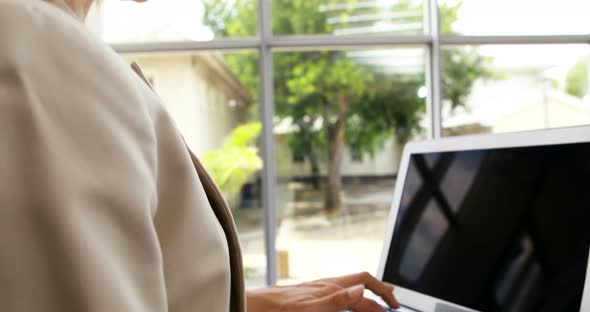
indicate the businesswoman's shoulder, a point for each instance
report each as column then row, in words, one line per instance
column 77, row 167
column 34, row 25
column 51, row 46
column 50, row 64
column 56, row 77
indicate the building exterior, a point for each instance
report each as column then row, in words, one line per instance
column 383, row 164
column 205, row 99
column 556, row 109
column 522, row 98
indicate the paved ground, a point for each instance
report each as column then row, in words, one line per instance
column 318, row 245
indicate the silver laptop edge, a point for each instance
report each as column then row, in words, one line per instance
column 427, row 303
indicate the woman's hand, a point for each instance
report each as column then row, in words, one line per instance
column 326, row 295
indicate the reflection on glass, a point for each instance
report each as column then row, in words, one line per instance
column 521, row 263
column 173, row 20
column 212, row 103
column 341, row 120
column 455, row 185
column 518, row 240
column 431, row 159
column 515, row 88
column 411, row 187
column 423, row 241
column 346, row 17
column 511, row 18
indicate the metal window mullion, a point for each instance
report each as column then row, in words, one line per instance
column 184, row 46
column 291, row 42
column 266, row 114
column 497, row 40
column 434, row 73
column 310, row 42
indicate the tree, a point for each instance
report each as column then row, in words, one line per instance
column 576, row 80
column 319, row 88
column 330, row 99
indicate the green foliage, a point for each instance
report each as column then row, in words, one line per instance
column 231, row 18
column 232, row 165
column 448, row 14
column 393, row 104
column 245, row 66
column 461, row 68
column 576, row 80
column 307, row 85
column 299, row 17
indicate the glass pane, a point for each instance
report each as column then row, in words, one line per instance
column 341, row 120
column 347, row 17
column 492, row 88
column 174, row 20
column 509, row 17
column 214, row 103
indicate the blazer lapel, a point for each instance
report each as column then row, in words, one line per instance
column 139, row 73
column 226, row 219
column 223, row 214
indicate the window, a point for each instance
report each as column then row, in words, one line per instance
column 523, row 87
column 347, row 17
column 331, row 100
column 512, row 18
column 322, row 76
column 175, row 20
column 298, row 157
column 356, row 154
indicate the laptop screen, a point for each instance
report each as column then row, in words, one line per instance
column 495, row 230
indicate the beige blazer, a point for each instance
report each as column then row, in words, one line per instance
column 102, row 206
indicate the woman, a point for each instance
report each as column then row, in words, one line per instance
column 102, row 206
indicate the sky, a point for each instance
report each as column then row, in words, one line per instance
column 523, row 17
column 125, row 21
column 527, row 17
column 476, row 17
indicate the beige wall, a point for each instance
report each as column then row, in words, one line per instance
column 530, row 117
column 196, row 96
column 384, row 162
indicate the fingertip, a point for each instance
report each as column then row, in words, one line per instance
column 396, row 304
column 392, row 301
column 355, row 293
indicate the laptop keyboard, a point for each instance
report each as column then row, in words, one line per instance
column 386, row 309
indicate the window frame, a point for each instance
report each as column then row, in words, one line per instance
column 433, row 41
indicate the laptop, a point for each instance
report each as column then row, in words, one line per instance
column 492, row 223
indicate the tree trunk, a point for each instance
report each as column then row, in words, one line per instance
column 335, row 135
